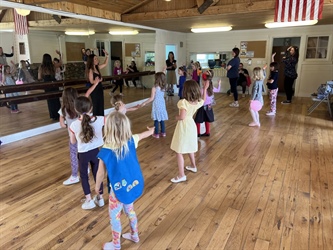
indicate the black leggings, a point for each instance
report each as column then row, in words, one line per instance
column 243, row 84
column 288, row 87
column 120, row 84
column 233, row 87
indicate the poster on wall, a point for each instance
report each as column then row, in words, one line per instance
column 133, row 49
column 243, row 49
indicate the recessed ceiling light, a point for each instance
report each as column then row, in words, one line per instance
column 123, row 32
column 290, row 24
column 79, row 33
column 213, row 29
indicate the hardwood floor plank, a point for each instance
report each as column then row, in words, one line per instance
column 256, row 188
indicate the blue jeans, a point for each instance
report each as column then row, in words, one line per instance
column 156, row 126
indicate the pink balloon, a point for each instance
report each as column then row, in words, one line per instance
column 255, row 105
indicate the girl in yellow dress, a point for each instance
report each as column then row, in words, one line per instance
column 184, row 140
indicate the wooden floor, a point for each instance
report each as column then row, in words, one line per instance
column 256, row 188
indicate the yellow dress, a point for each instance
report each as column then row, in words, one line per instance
column 184, row 138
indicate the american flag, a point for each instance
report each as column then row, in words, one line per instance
column 298, row 10
column 21, row 24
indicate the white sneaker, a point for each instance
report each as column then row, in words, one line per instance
column 234, row 105
column 88, row 204
column 270, row 113
column 99, row 202
column 71, row 180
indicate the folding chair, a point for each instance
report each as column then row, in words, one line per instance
column 324, row 95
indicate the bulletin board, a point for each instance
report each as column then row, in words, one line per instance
column 73, row 51
column 257, row 48
column 132, row 49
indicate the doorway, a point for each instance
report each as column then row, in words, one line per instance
column 280, row 46
column 116, row 52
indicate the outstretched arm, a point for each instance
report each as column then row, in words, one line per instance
column 151, row 98
column 273, row 55
column 145, row 134
column 101, row 66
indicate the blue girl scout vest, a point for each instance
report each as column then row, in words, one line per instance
column 125, row 174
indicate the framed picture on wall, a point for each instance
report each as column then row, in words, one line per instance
column 133, row 49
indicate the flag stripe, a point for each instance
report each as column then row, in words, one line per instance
column 21, row 24
column 298, row 10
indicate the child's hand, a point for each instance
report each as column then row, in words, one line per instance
column 97, row 190
column 105, row 53
column 58, row 52
column 264, row 68
column 273, row 54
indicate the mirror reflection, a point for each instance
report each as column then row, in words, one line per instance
column 46, row 36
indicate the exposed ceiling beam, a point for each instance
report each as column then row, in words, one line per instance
column 2, row 14
column 39, row 2
column 64, row 22
column 193, row 12
column 204, row 6
column 83, row 10
column 136, row 6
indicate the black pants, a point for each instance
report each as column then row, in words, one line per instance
column 120, row 84
column 288, row 87
column 243, row 84
column 233, row 87
column 53, row 104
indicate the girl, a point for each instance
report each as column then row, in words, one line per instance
column 184, row 140
column 93, row 72
column 86, row 131
column 118, row 70
column 46, row 72
column 159, row 113
column 272, row 85
column 171, row 66
column 7, row 79
column 67, row 116
column 130, row 70
column 182, row 79
column 23, row 73
column 232, row 74
column 205, row 113
column 118, row 156
column 119, row 105
column 196, row 72
column 59, row 71
column 256, row 101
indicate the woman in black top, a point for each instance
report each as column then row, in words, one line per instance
column 132, row 69
column 171, row 66
column 46, row 73
column 97, row 95
column 290, row 61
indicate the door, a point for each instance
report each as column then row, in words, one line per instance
column 280, row 46
column 116, row 54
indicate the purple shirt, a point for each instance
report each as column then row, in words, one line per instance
column 209, row 99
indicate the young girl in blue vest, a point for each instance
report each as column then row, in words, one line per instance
column 118, row 156
column 87, row 132
column 257, row 100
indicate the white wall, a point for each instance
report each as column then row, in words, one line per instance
column 311, row 72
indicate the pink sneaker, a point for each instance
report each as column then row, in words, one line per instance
column 163, row 134
column 155, row 135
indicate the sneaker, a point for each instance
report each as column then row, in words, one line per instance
column 192, row 169
column 99, row 201
column 177, row 179
column 110, row 246
column 205, row 134
column 234, row 105
column 253, row 124
column 286, row 102
column 155, row 135
column 88, row 204
column 16, row 111
column 163, row 134
column 270, row 113
column 129, row 236
column 71, row 180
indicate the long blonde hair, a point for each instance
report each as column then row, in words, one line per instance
column 117, row 133
column 258, row 74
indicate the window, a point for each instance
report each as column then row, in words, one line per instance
column 100, row 47
column 317, row 47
